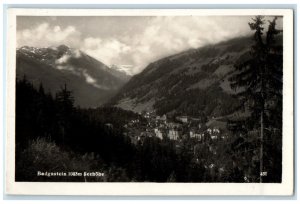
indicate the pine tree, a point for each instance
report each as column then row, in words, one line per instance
column 65, row 101
column 260, row 77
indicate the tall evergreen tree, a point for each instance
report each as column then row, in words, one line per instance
column 260, row 77
column 65, row 101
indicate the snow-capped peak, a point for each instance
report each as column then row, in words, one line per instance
column 126, row 69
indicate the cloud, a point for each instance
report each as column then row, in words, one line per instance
column 169, row 35
column 92, row 81
column 108, row 51
column 89, row 78
column 63, row 60
column 76, row 53
column 137, row 41
column 45, row 35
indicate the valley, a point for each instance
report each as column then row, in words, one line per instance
column 195, row 116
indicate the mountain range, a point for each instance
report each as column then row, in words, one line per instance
column 92, row 82
column 194, row 82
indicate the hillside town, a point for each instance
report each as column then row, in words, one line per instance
column 175, row 128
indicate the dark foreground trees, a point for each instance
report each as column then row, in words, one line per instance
column 54, row 136
column 50, row 138
column 259, row 80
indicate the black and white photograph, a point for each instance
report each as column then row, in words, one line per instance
column 137, row 97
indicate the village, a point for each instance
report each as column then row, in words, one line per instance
column 175, row 129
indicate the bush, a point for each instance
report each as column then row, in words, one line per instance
column 45, row 156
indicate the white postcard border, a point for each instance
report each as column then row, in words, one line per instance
column 71, row 188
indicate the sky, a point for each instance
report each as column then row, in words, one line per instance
column 130, row 42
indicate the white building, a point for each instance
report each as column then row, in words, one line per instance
column 173, row 134
column 214, row 137
column 158, row 133
column 216, row 131
column 209, row 130
column 196, row 135
column 183, row 119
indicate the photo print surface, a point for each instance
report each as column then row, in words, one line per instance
column 152, row 98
